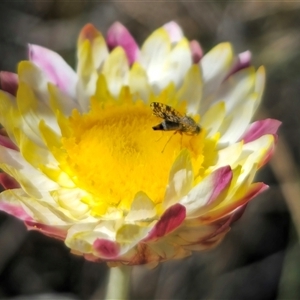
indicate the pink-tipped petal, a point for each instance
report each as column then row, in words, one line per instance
column 260, row 128
column 174, row 31
column 6, row 142
column 9, row 82
column 197, row 52
column 16, row 211
column 118, row 35
column 237, row 214
column 57, row 70
column 50, row 231
column 169, row 221
column 106, row 248
column 254, row 190
column 222, row 179
column 267, row 156
column 8, row 182
column 243, row 62
column 88, row 32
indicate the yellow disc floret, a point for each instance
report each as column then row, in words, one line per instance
column 113, row 152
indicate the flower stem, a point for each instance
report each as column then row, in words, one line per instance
column 118, row 284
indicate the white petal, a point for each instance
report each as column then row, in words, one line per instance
column 236, row 88
column 238, row 121
column 154, row 53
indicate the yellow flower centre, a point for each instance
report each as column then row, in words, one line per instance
column 113, row 153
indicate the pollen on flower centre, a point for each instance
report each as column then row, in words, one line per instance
column 114, row 153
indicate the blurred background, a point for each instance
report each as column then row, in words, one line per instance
column 260, row 257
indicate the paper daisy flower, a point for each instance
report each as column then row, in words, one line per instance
column 82, row 163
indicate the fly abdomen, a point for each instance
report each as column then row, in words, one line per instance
column 167, row 126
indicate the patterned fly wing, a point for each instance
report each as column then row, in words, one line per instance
column 173, row 120
column 166, row 112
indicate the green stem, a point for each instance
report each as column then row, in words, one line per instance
column 118, row 284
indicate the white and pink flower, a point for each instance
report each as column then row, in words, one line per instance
column 81, row 162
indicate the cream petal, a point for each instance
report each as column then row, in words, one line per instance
column 179, row 62
column 238, row 121
column 180, row 179
column 154, row 53
column 36, row 209
column 91, row 54
column 84, row 90
column 61, row 102
column 256, row 151
column 260, row 81
column 33, row 111
column 174, row 67
column 142, row 209
column 89, row 237
column 213, row 118
column 71, row 200
column 138, row 82
column 98, row 51
column 116, row 70
column 35, row 79
column 129, row 235
column 33, row 153
column 229, row 156
column 31, row 180
column 10, row 117
column 215, row 66
column 241, row 197
column 191, row 90
column 76, row 237
column 236, row 88
column 245, row 176
column 204, row 195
